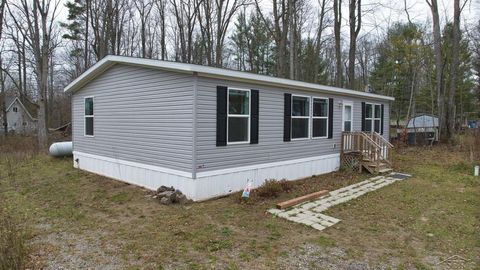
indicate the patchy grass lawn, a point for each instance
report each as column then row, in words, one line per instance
column 77, row 220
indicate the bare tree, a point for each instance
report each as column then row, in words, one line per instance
column 205, row 18
column 319, row 34
column 161, row 7
column 450, row 123
column 86, row 50
column 2, row 14
column 185, row 12
column 355, row 20
column 225, row 12
column 144, row 8
column 437, row 50
column 36, row 21
column 292, row 6
column 279, row 32
column 337, row 11
column 107, row 21
column 2, row 77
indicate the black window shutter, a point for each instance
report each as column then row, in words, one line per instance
column 330, row 118
column 254, row 117
column 287, row 117
column 363, row 116
column 381, row 119
column 221, row 115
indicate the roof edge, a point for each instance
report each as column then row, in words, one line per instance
column 110, row 60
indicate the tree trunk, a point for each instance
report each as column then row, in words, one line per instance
column 453, row 69
column 43, row 62
column 19, row 66
column 161, row 11
column 2, row 101
column 337, row 10
column 24, row 65
column 355, row 14
column 86, row 49
column 2, row 77
column 291, row 34
column 2, row 15
column 437, row 49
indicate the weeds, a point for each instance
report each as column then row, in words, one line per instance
column 272, row 188
column 18, row 144
column 287, row 186
column 461, row 167
column 470, row 142
column 13, row 251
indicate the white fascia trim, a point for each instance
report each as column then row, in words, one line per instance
column 264, row 165
column 11, row 104
column 136, row 164
column 213, row 72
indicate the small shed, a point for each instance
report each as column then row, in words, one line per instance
column 422, row 130
column 20, row 115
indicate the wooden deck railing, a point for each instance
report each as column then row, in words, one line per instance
column 385, row 146
column 372, row 146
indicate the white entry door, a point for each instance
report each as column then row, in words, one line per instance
column 347, row 116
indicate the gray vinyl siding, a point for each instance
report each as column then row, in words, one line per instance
column 141, row 115
column 271, row 147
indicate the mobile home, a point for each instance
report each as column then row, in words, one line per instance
column 205, row 130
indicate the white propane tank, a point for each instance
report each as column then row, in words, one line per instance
column 476, row 170
column 61, row 149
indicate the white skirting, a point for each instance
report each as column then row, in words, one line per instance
column 207, row 184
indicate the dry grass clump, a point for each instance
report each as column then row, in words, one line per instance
column 470, row 142
column 18, row 144
column 13, row 251
column 273, row 188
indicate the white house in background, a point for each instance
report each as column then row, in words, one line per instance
column 207, row 130
column 20, row 120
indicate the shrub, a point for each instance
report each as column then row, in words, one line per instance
column 273, row 188
column 13, row 252
column 270, row 188
column 287, row 186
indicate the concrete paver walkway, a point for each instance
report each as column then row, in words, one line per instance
column 309, row 213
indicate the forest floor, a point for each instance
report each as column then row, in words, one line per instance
column 77, row 220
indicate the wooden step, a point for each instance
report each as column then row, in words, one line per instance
column 375, row 164
column 373, row 169
column 385, row 170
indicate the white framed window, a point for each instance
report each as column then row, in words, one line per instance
column 300, row 128
column 88, row 117
column 373, row 117
column 238, row 116
column 320, row 117
column 347, row 116
column 15, row 109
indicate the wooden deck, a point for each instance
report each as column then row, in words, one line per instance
column 366, row 150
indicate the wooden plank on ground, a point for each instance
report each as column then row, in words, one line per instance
column 301, row 199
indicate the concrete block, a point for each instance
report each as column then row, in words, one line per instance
column 317, row 226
